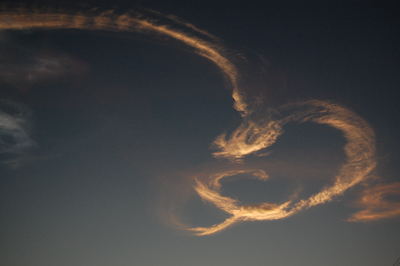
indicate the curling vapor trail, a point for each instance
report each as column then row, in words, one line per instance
column 254, row 135
column 22, row 19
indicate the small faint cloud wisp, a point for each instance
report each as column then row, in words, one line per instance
column 375, row 205
column 14, row 133
column 23, row 67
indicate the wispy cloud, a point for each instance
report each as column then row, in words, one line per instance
column 23, row 66
column 14, row 132
column 376, row 205
column 22, row 19
column 254, row 135
column 252, row 212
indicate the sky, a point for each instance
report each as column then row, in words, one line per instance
column 199, row 133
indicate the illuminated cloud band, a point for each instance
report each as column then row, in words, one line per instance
column 22, row 19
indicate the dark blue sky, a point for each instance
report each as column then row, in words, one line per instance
column 106, row 137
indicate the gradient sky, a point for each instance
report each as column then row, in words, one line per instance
column 199, row 133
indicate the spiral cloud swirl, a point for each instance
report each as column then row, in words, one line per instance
column 260, row 128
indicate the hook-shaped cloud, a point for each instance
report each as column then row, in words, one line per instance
column 22, row 19
column 254, row 135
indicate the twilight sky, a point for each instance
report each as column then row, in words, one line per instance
column 199, row 133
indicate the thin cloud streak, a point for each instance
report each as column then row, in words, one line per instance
column 22, row 19
column 251, row 212
column 178, row 21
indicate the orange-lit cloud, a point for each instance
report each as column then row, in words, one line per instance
column 375, row 205
column 252, row 212
column 254, row 135
column 22, row 19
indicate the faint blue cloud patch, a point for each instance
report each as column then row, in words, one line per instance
column 22, row 66
column 15, row 141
